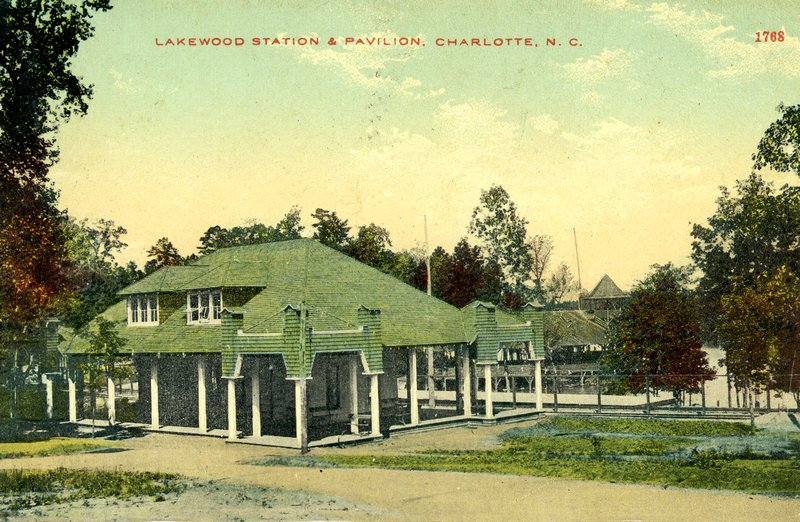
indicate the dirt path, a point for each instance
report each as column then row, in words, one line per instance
column 411, row 495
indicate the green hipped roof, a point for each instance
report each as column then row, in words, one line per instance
column 573, row 328
column 331, row 285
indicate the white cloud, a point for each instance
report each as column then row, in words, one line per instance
column 368, row 66
column 545, row 123
column 606, row 66
column 122, row 83
column 735, row 59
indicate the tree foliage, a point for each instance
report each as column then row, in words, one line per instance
column 38, row 90
column 657, row 335
column 502, row 234
column 540, row 248
column 330, row 229
column 163, row 253
column 254, row 233
column 753, row 232
column 779, row 148
column 760, row 328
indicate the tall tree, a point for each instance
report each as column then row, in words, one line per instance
column 760, row 327
column 330, row 229
column 779, row 149
column 657, row 335
column 502, row 234
column 753, row 232
column 163, row 253
column 38, row 90
column 253, row 233
column 541, row 248
column 371, row 246
column 558, row 284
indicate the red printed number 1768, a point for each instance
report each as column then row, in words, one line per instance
column 770, row 36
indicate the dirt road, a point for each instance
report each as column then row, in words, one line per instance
column 413, row 495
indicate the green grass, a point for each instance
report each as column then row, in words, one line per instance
column 20, row 489
column 49, row 447
column 655, row 427
column 642, row 451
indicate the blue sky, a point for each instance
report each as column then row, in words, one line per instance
column 625, row 138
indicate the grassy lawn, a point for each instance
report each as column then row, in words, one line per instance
column 48, row 447
column 20, row 489
column 691, row 454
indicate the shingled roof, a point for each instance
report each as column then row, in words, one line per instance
column 327, row 283
column 606, row 288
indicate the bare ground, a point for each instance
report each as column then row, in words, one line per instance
column 375, row 494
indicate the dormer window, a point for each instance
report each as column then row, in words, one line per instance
column 204, row 307
column 143, row 310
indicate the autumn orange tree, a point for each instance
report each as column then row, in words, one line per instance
column 38, row 91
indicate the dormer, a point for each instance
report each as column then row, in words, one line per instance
column 204, row 306
column 142, row 310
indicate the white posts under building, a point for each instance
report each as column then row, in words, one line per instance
column 538, row 378
column 255, row 392
column 375, row 404
column 231, row 407
column 412, row 384
column 112, row 400
column 354, row 394
column 47, row 379
column 487, row 376
column 154, row 422
column 301, row 412
column 467, row 384
column 73, row 398
column 202, row 413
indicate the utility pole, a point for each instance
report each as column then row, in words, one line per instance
column 578, row 263
column 429, row 349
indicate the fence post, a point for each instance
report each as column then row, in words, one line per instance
column 703, row 394
column 647, row 392
column 599, row 395
column 555, row 393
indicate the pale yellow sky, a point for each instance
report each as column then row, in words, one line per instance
column 625, row 137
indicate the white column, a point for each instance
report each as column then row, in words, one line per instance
column 231, row 409
column 375, row 404
column 431, row 380
column 154, row 422
column 48, row 384
column 487, row 376
column 538, row 377
column 301, row 413
column 412, row 382
column 255, row 391
column 73, row 399
column 112, row 400
column 202, row 406
column 354, row 394
column 467, row 385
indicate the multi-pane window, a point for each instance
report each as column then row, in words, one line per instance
column 203, row 306
column 143, row 310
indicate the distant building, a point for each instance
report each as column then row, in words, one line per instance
column 605, row 300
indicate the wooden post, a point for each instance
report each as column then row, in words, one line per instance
column 431, row 380
column 112, row 399
column 412, row 382
column 202, row 406
column 73, row 398
column 538, row 378
column 555, row 393
column 467, row 385
column 599, row 395
column 231, row 408
column 154, row 421
column 354, row 394
column 301, row 413
column 487, row 376
column 703, row 395
column 375, row 404
column 647, row 392
column 255, row 392
column 48, row 384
